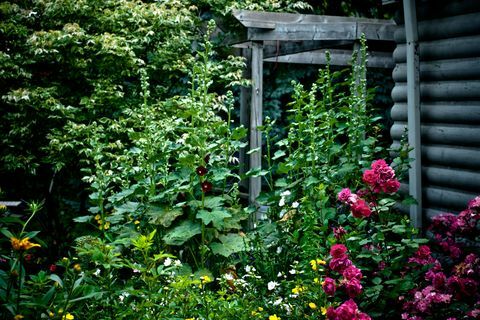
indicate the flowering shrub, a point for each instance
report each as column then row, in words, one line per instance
column 450, row 284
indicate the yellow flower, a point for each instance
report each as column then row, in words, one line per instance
column 206, row 279
column 321, row 262
column 274, row 317
column 254, row 313
column 312, row 305
column 106, row 226
column 51, row 314
column 260, row 309
column 77, row 267
column 190, row 319
column 98, row 217
column 136, row 222
column 313, row 263
column 68, row 316
column 316, row 281
column 323, row 310
column 18, row 317
column 22, row 244
column 298, row 290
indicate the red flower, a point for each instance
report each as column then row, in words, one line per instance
column 52, row 268
column 206, row 186
column 352, row 272
column 360, row 209
column 201, row 171
column 329, row 286
column 338, row 251
column 340, row 264
column 353, row 288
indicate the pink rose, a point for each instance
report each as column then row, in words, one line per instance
column 344, row 195
column 347, row 310
column 353, row 287
column 360, row 209
column 339, row 264
column 338, row 251
column 329, row 286
column 352, row 272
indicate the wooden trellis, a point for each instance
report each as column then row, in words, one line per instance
column 303, row 39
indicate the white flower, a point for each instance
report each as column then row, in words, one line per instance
column 293, row 271
column 250, row 269
column 279, row 250
column 281, row 203
column 97, row 272
column 271, row 285
column 167, row 262
column 285, row 193
column 279, row 275
column 177, row 263
column 228, row 276
column 295, row 205
column 277, row 302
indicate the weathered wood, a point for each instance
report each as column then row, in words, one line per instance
column 447, row 155
column 256, row 121
column 449, row 27
column 324, row 31
column 337, row 57
column 461, row 47
column 441, row 90
column 462, row 112
column 245, row 100
column 413, row 103
column 441, row 70
column 457, row 135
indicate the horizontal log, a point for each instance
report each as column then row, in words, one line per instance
column 453, row 156
column 453, row 48
column 443, row 8
column 441, row 70
column 467, row 180
column 450, row 27
column 337, row 57
column 442, row 90
column 458, row 135
column 438, row 197
column 464, row 112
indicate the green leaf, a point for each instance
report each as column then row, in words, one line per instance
column 163, row 215
column 57, row 279
column 278, row 154
column 213, row 202
column 182, row 233
column 230, row 243
column 83, row 219
column 129, row 207
column 217, row 217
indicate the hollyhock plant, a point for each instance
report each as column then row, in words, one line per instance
column 381, row 178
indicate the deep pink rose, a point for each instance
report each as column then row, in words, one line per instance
column 331, row 313
column 353, row 287
column 338, row 251
column 347, row 310
column 391, row 186
column 370, row 177
column 339, row 264
column 339, row 232
column 423, row 252
column 363, row 316
column 329, row 286
column 352, row 272
column 439, row 280
column 344, row 195
column 360, row 209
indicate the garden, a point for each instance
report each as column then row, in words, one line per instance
column 121, row 138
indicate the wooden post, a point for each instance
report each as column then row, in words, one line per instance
column 256, row 121
column 413, row 111
column 245, row 99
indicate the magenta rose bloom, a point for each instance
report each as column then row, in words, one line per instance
column 344, row 195
column 347, row 310
column 329, row 286
column 360, row 209
column 339, row 232
column 363, row 316
column 352, row 272
column 353, row 288
column 339, row 264
column 338, row 251
column 423, row 252
column 331, row 313
column 391, row 186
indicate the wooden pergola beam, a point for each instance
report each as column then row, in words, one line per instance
column 338, row 57
column 268, row 26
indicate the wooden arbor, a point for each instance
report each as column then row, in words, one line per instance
column 304, row 39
